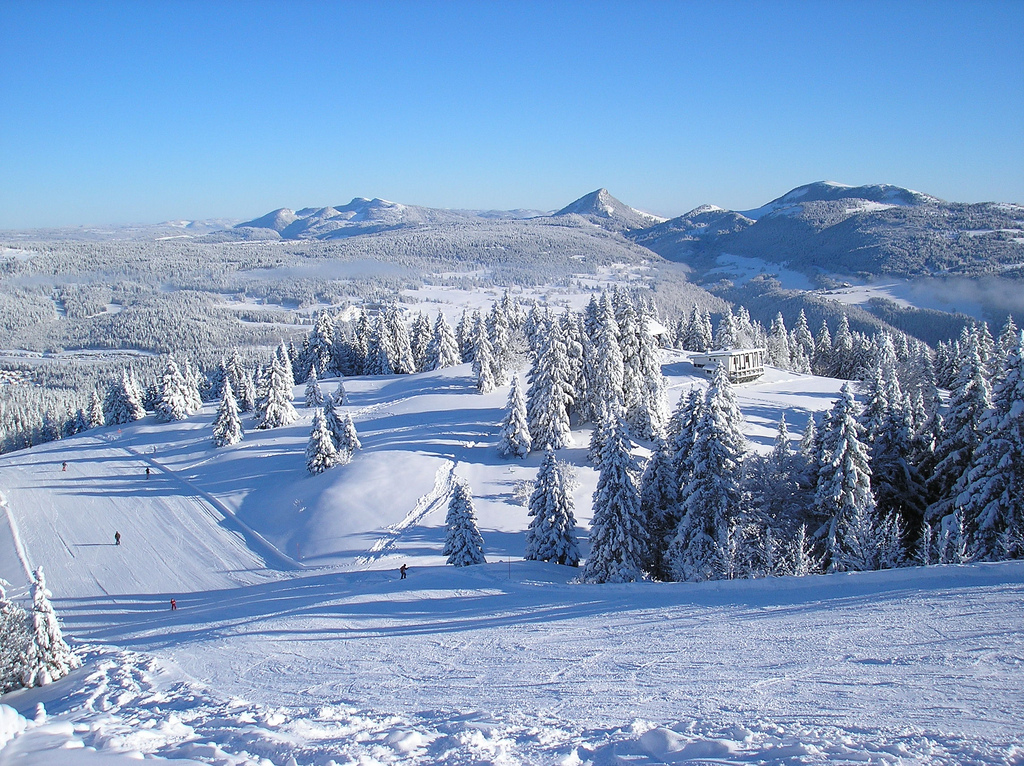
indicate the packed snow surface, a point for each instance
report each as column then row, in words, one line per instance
column 295, row 641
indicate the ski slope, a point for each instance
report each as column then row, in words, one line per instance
column 294, row 639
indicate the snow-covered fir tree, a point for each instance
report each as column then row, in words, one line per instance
column 227, row 427
column 992, row 498
column 843, row 489
column 605, row 365
column 551, row 535
column 123, row 402
column 321, row 453
column 443, row 349
column 802, row 336
column 969, row 403
column 725, row 333
column 618, row 539
column 14, row 642
column 647, row 420
column 464, row 546
column 483, row 360
column 174, row 402
column 515, row 431
column 499, row 332
column 348, row 439
column 659, row 498
column 274, row 408
column 314, row 396
column 576, row 363
column 777, row 350
column 683, row 434
column 702, row 546
column 339, row 396
column 550, row 397
column 822, row 363
column 48, row 656
column 319, row 347
column 419, row 340
column 380, row 352
column 95, row 416
column 333, row 421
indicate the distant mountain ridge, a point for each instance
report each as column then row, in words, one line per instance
column 818, row 228
column 830, row 228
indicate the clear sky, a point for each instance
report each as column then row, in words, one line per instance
column 149, row 111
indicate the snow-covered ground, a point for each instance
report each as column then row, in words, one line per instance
column 295, row 641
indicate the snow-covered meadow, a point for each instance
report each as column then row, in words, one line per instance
column 295, row 640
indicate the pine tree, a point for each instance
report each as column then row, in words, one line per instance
column 969, row 401
column 335, row 425
column 647, row 418
column 348, row 440
column 702, row 547
column 123, row 403
column 802, row 336
column 48, row 657
column 227, row 427
column 483, row 360
column 802, row 557
column 419, row 340
column 339, row 394
column 319, row 350
column 725, row 335
column 549, row 398
column 174, row 402
column 14, row 643
column 778, row 352
column 993, row 495
column 96, row 418
column 605, row 366
column 551, row 535
column 659, row 497
column 515, row 431
column 683, row 435
column 618, row 540
column 823, row 363
column 499, row 331
column 402, row 361
column 274, row 408
column 443, row 350
column 843, row 361
column 463, row 544
column 843, row 492
column 379, row 353
column 320, row 451
column 314, row 396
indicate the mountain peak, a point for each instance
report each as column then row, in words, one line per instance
column 601, row 208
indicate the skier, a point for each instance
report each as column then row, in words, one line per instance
column 64, row 466
column 402, row 569
column 174, row 605
column 117, row 538
column 147, row 471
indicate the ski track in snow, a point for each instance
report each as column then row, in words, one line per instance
column 19, row 546
column 270, row 553
column 443, row 481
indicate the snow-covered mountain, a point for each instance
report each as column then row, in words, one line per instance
column 360, row 216
column 866, row 231
column 601, row 208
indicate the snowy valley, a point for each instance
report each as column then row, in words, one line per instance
column 818, row 566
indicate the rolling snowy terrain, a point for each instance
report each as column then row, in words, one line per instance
column 295, row 641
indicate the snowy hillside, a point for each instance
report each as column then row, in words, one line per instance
column 294, row 640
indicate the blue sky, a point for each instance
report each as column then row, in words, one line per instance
column 142, row 112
